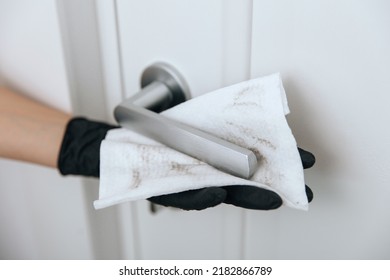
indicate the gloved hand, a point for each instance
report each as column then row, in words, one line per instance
column 248, row 197
column 80, row 154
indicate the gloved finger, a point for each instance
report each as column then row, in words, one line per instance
column 251, row 197
column 309, row 193
column 307, row 158
column 193, row 199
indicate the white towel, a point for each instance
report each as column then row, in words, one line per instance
column 250, row 114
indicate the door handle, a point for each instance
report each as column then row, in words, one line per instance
column 163, row 87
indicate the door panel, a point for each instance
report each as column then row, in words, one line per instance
column 209, row 43
column 334, row 59
column 191, row 35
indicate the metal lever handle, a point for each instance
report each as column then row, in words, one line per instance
column 162, row 88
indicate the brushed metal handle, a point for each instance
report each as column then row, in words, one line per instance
column 162, row 88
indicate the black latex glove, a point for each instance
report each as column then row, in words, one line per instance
column 256, row 198
column 249, row 197
column 80, row 154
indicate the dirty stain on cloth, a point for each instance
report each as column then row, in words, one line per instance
column 250, row 114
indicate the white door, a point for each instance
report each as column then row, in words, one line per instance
column 333, row 58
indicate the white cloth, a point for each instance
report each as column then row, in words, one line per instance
column 250, row 114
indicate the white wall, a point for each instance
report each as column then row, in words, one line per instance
column 31, row 54
column 42, row 215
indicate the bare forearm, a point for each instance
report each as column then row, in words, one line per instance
column 30, row 131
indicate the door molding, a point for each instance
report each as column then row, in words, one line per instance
column 81, row 33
